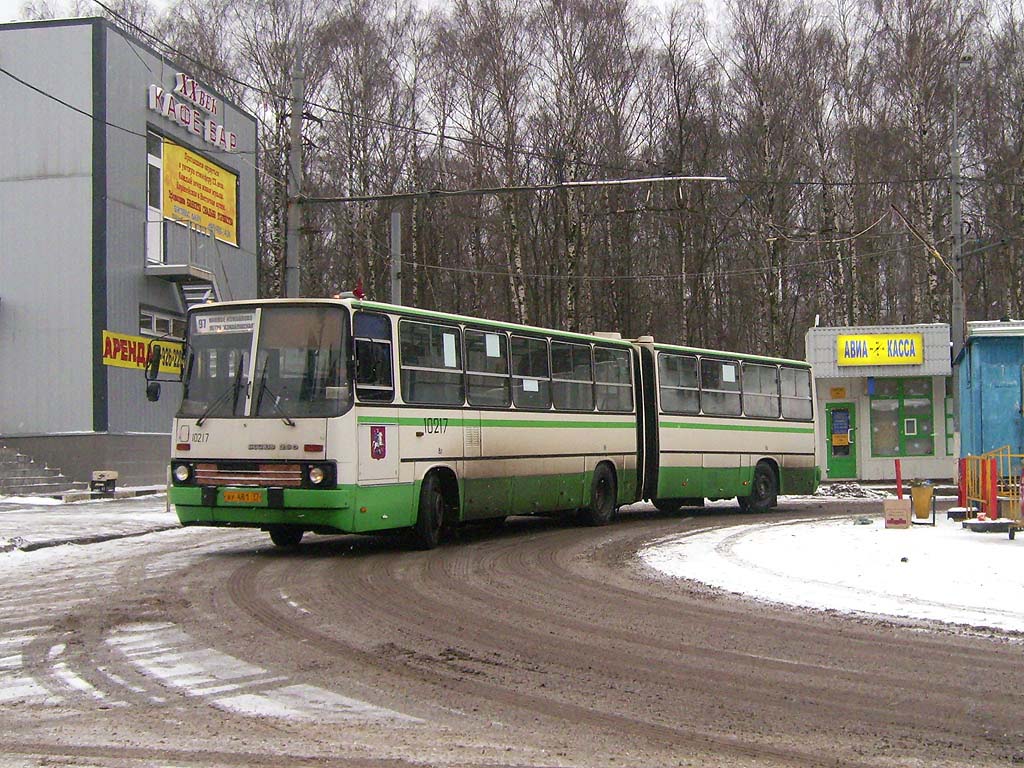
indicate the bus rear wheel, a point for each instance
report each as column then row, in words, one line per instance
column 603, row 493
column 764, row 490
column 285, row 536
column 426, row 533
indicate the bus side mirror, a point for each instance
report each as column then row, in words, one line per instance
column 152, row 390
column 153, row 367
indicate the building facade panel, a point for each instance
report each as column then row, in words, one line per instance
column 94, row 260
column 45, row 231
column 51, row 139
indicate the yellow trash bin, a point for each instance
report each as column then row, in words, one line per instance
column 921, row 498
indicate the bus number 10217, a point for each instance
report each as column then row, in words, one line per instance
column 435, row 426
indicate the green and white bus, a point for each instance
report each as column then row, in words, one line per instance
column 351, row 416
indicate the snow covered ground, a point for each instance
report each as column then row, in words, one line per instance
column 945, row 573
column 34, row 522
column 856, row 565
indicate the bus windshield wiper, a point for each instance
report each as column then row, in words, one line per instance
column 233, row 390
column 274, row 399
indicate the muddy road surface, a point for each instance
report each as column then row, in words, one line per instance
column 538, row 643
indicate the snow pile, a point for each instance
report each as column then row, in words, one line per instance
column 849, row 491
column 35, row 501
column 943, row 573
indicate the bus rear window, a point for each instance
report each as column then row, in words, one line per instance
column 796, row 394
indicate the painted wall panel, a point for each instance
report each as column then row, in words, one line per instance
column 45, row 231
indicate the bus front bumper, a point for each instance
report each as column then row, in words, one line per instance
column 259, row 507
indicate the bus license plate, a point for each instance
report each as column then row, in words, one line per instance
column 243, row 497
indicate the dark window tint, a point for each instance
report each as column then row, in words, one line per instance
column 374, row 374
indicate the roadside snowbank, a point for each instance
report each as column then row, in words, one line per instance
column 945, row 573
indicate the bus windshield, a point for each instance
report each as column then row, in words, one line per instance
column 280, row 362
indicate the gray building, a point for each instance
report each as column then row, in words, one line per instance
column 127, row 193
column 884, row 392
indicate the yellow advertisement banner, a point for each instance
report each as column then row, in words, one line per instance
column 126, row 351
column 880, row 349
column 199, row 192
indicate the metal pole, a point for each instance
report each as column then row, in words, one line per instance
column 958, row 321
column 293, row 256
column 396, row 257
column 958, row 312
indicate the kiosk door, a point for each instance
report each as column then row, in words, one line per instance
column 839, row 447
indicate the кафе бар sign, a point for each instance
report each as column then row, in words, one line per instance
column 195, row 109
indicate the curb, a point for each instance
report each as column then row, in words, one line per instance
column 129, row 493
column 98, row 538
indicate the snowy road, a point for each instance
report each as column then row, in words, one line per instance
column 543, row 644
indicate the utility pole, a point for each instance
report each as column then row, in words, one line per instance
column 396, row 257
column 958, row 321
column 958, row 314
column 293, row 256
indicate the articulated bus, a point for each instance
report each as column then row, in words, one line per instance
column 351, row 416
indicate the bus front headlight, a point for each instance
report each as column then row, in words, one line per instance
column 182, row 473
column 316, row 475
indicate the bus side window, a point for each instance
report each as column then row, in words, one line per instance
column 720, row 387
column 374, row 372
column 796, row 394
column 680, row 391
column 487, row 375
column 431, row 363
column 761, row 391
column 613, row 386
column 572, row 377
column 531, row 378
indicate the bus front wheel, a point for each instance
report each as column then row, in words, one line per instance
column 283, row 536
column 763, row 491
column 426, row 533
column 602, row 497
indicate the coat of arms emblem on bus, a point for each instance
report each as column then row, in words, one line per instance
column 378, row 443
